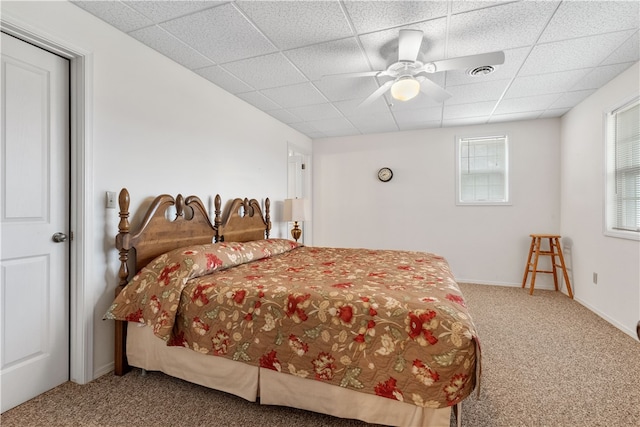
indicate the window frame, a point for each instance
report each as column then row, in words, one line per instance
column 609, row 204
column 459, row 139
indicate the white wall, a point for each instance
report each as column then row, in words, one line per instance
column 158, row 128
column 416, row 210
column 616, row 297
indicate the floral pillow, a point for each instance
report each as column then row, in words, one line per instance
column 153, row 295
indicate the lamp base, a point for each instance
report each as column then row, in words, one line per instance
column 295, row 231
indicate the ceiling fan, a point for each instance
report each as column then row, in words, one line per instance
column 409, row 76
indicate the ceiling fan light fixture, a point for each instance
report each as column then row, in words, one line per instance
column 405, row 88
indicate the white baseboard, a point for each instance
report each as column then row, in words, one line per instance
column 545, row 286
column 550, row 287
column 630, row 332
column 103, row 370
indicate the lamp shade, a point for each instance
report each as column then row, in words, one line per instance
column 296, row 210
column 405, row 88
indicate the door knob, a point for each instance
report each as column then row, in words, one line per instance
column 59, row 237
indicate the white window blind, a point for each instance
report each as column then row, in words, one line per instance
column 623, row 168
column 482, row 170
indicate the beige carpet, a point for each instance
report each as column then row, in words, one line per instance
column 547, row 361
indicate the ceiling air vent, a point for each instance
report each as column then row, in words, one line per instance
column 481, row 71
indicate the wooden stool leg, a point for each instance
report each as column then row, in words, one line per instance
column 535, row 263
column 553, row 249
column 528, row 264
column 564, row 269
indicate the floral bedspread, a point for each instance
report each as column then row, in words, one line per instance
column 389, row 323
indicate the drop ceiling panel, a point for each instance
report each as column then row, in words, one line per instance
column 284, row 116
column 273, row 54
column 368, row 16
column 165, row 43
column 333, row 126
column 529, row 103
column 377, row 127
column 554, row 113
column 221, row 33
column 586, row 18
column 336, row 57
column 409, row 119
column 304, row 127
column 477, row 92
column 160, row 11
column 465, row 6
column 352, row 107
column 497, row 28
column 295, row 95
column 341, row 132
column 480, row 109
column 259, row 101
column 316, row 112
column 374, row 122
column 222, row 78
column 251, row 71
column 341, row 89
column 572, row 54
column 569, row 99
column 465, row 121
column 308, row 23
column 629, row 51
column 416, row 125
column 117, row 14
column 497, row 118
column 600, row 75
column 544, row 83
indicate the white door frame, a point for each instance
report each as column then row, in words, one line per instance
column 81, row 211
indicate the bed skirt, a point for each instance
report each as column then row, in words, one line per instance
column 146, row 351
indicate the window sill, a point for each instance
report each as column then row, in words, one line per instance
column 484, row 204
column 621, row 234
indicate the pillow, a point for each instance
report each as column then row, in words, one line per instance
column 153, row 295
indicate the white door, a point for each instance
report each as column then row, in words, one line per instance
column 34, row 205
column 296, row 176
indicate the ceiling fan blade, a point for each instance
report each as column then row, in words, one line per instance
column 377, row 94
column 409, row 44
column 432, row 90
column 362, row 74
column 471, row 61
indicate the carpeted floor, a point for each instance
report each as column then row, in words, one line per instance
column 547, row 361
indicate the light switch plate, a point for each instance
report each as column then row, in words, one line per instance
column 111, row 199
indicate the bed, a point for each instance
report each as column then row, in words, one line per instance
column 376, row 335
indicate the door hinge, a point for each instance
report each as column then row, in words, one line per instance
column 303, row 167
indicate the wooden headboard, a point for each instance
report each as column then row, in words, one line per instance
column 243, row 221
column 158, row 234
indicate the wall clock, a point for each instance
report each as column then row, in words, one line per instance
column 385, row 174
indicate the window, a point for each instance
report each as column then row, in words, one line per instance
column 623, row 170
column 483, row 170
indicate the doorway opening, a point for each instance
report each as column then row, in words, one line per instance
column 299, row 184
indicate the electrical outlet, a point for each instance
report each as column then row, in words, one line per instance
column 595, row 278
column 111, row 199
